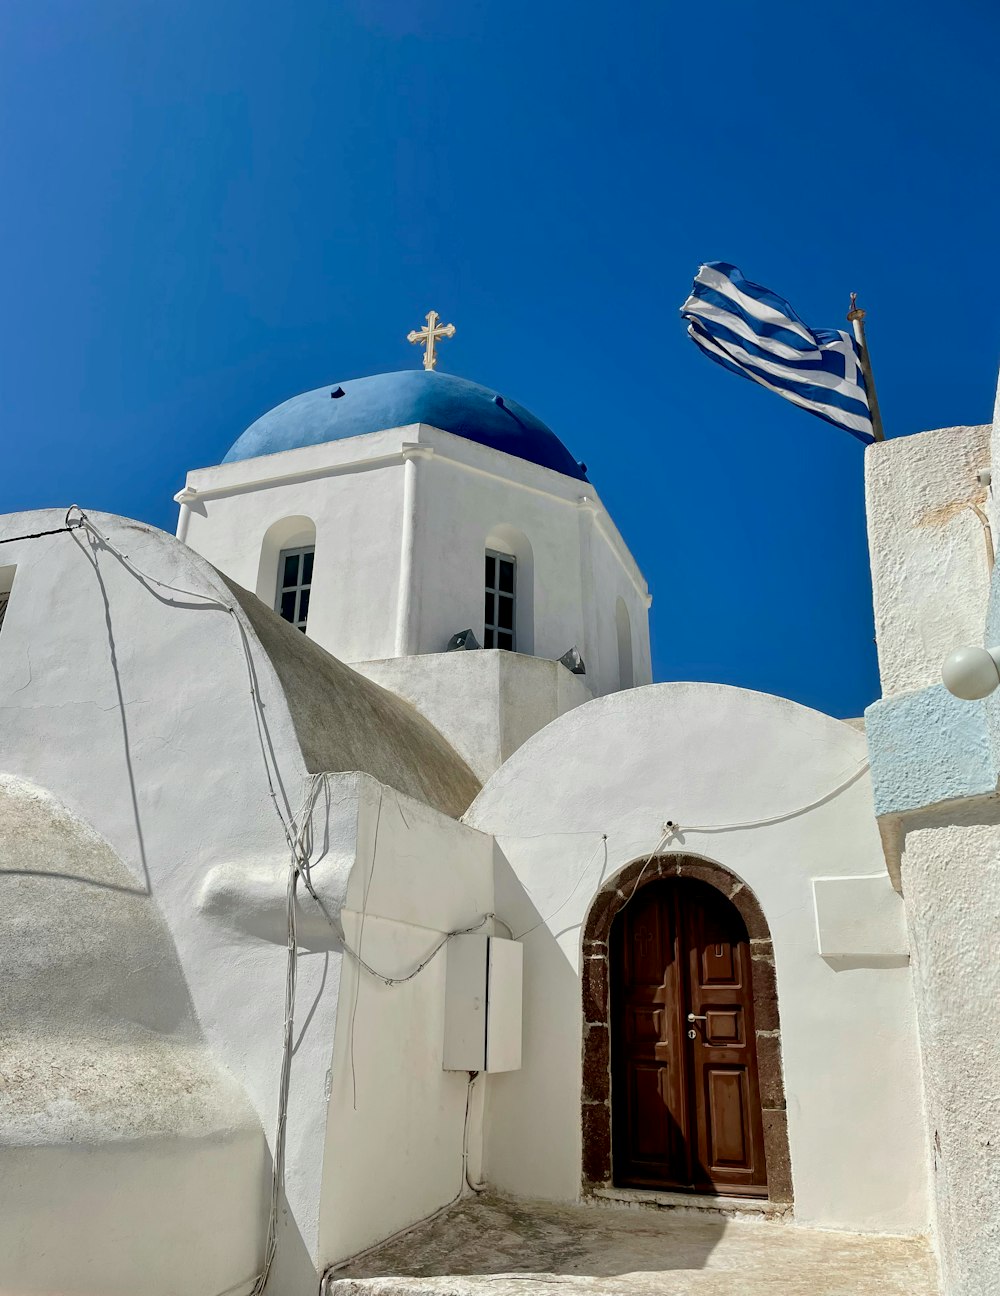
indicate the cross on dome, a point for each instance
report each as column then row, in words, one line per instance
column 429, row 335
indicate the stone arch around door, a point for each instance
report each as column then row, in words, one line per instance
column 596, row 1091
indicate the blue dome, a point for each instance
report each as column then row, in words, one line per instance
column 398, row 399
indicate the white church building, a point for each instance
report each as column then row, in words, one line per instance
column 353, row 861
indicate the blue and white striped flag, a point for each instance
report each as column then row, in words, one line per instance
column 757, row 335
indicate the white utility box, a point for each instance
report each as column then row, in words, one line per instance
column 482, row 1004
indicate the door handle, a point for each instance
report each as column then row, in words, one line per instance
column 695, row 1017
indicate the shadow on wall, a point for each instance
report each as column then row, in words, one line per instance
column 120, row 1124
column 288, row 533
column 508, row 540
column 623, row 626
column 536, row 1129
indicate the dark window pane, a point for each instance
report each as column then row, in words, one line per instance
column 291, row 574
column 288, row 605
column 506, row 576
column 505, row 613
column 488, row 639
column 488, row 617
column 303, row 605
column 505, row 641
column 490, row 572
column 307, row 568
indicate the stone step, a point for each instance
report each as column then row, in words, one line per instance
column 497, row 1246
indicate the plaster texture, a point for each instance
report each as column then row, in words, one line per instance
column 129, row 704
column 500, row 1247
column 345, row 723
column 927, row 747
column 401, row 520
column 487, row 703
column 930, row 575
column 951, row 881
column 935, row 765
column 712, row 759
column 397, row 1126
column 115, row 1119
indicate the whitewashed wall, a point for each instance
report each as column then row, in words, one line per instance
column 120, row 1133
column 935, row 761
column 402, row 521
column 709, row 755
column 394, row 1136
column 952, row 890
column 131, row 707
column 930, row 574
column 485, row 703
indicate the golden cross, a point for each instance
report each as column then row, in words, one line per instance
column 426, row 337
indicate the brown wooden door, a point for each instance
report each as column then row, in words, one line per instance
column 685, row 1094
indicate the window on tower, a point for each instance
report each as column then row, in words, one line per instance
column 501, row 574
column 295, row 572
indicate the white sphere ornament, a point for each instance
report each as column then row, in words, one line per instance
column 971, row 673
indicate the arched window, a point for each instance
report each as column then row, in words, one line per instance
column 626, row 671
column 285, row 574
column 509, row 604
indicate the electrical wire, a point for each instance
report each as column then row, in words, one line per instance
column 778, row 818
column 543, row 922
column 37, row 535
column 298, row 867
column 337, row 1265
column 297, row 833
column 669, row 828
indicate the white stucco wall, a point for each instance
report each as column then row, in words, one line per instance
column 485, row 703
column 951, row 884
column 130, row 704
column 402, row 519
column 131, row 707
column 934, row 762
column 708, row 755
column 930, row 575
column 132, row 1161
column 394, row 1138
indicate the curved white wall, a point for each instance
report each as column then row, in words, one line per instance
column 120, row 1133
column 710, row 755
column 130, row 705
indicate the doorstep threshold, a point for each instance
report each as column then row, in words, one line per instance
column 702, row 1203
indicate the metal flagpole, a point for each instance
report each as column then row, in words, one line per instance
column 857, row 317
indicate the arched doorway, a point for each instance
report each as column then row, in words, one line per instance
column 665, row 1108
column 685, row 1097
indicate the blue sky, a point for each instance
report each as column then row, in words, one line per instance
column 211, row 206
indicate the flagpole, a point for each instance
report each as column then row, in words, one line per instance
column 857, row 317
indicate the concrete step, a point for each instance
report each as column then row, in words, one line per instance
column 496, row 1246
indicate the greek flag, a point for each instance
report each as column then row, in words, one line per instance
column 756, row 334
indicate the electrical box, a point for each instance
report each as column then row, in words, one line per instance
column 482, row 1004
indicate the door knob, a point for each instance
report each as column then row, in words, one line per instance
column 695, row 1017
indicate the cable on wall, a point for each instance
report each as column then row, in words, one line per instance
column 337, row 1265
column 297, row 832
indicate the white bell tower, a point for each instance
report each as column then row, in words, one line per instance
column 388, row 516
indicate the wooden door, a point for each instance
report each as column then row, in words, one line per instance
column 686, row 1110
